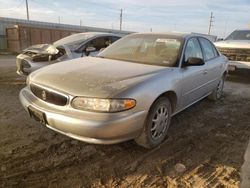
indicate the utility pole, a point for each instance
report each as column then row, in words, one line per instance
column 80, row 22
column 121, row 20
column 225, row 29
column 210, row 23
column 59, row 19
column 27, row 10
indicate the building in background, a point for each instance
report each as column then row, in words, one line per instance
column 44, row 32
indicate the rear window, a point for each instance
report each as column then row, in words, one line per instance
column 209, row 50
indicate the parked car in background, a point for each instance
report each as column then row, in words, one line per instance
column 129, row 91
column 73, row 46
column 236, row 47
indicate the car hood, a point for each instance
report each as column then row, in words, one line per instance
column 94, row 77
column 42, row 49
column 233, row 44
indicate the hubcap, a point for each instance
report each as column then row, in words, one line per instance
column 220, row 89
column 159, row 122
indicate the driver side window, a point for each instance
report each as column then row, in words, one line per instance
column 193, row 49
column 97, row 43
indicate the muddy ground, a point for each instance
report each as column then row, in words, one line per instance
column 204, row 148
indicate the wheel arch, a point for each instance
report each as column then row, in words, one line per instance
column 171, row 95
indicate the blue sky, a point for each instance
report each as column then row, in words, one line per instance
column 139, row 15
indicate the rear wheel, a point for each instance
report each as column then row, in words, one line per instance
column 218, row 92
column 157, row 124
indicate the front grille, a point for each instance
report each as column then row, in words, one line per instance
column 236, row 54
column 49, row 96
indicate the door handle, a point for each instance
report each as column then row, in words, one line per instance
column 205, row 72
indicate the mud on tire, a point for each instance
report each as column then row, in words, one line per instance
column 156, row 124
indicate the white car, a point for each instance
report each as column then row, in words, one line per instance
column 236, row 47
column 71, row 47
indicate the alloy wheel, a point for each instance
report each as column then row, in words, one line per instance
column 159, row 123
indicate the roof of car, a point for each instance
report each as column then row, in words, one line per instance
column 242, row 30
column 176, row 34
column 97, row 33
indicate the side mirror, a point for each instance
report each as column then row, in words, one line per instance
column 195, row 61
column 89, row 49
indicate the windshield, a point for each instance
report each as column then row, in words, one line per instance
column 150, row 49
column 73, row 41
column 239, row 35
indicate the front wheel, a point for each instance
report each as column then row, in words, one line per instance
column 156, row 125
column 218, row 92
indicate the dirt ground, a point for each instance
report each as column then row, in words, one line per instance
column 205, row 146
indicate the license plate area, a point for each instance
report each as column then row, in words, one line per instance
column 37, row 115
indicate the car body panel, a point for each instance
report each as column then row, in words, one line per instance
column 42, row 49
column 233, row 44
column 85, row 71
column 99, row 128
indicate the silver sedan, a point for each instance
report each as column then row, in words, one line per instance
column 130, row 91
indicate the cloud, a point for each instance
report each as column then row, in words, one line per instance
column 139, row 15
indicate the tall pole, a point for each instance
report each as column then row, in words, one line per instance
column 59, row 19
column 27, row 10
column 210, row 23
column 80, row 22
column 225, row 29
column 121, row 20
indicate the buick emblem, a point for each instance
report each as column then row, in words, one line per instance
column 43, row 95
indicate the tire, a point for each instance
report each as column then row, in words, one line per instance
column 156, row 124
column 218, row 92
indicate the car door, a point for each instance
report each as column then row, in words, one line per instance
column 213, row 63
column 193, row 77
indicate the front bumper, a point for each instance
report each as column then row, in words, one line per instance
column 25, row 65
column 91, row 127
column 240, row 64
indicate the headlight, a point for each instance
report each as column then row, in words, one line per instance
column 102, row 105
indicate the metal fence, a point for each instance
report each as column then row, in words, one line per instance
column 10, row 22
